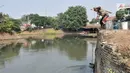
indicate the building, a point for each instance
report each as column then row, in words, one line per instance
column 126, row 8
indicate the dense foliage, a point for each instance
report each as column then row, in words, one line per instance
column 72, row 19
column 38, row 20
column 120, row 14
column 16, row 24
column 8, row 24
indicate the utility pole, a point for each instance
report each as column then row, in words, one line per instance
column 1, row 15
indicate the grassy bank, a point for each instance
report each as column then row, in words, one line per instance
column 52, row 31
column 49, row 31
column 44, row 33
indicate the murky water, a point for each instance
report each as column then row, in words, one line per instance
column 70, row 54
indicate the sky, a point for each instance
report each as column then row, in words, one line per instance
column 17, row 8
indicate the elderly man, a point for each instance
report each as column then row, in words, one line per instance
column 103, row 13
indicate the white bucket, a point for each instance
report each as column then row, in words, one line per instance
column 124, row 25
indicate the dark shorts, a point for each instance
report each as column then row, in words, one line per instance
column 101, row 21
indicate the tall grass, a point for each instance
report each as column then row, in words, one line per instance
column 51, row 31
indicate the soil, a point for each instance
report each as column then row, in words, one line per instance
column 119, row 38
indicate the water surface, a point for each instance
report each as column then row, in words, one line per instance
column 70, row 54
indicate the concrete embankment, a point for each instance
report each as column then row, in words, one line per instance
column 113, row 52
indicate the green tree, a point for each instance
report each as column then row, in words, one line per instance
column 74, row 18
column 120, row 14
column 38, row 20
column 94, row 21
column 60, row 21
column 16, row 24
column 55, row 23
column 33, row 17
column 7, row 25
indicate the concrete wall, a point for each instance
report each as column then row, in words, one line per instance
column 121, row 25
column 106, row 59
column 129, row 24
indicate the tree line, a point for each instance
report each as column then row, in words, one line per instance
column 8, row 25
column 72, row 19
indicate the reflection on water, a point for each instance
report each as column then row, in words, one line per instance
column 8, row 52
column 70, row 54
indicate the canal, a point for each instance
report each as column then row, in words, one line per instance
column 70, row 54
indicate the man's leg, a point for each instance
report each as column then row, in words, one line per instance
column 102, row 21
column 105, row 19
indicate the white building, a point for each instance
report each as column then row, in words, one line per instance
column 126, row 7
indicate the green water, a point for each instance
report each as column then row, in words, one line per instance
column 70, row 54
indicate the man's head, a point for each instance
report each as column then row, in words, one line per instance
column 97, row 8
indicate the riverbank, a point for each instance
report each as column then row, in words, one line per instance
column 33, row 34
column 6, row 38
column 113, row 51
column 49, row 33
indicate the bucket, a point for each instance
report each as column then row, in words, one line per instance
column 116, row 26
column 124, row 25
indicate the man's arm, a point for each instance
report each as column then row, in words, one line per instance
column 108, row 11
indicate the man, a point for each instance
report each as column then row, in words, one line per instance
column 103, row 13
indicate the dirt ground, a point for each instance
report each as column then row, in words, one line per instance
column 6, row 36
column 119, row 38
